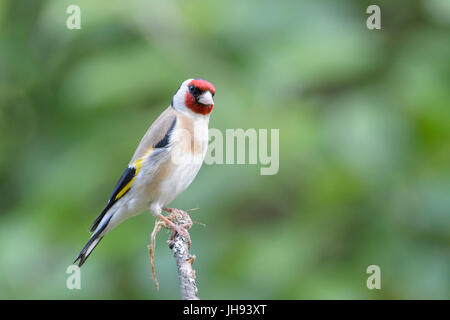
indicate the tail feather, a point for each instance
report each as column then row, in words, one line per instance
column 92, row 243
column 88, row 248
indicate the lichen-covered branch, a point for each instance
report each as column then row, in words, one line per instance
column 179, row 243
column 186, row 273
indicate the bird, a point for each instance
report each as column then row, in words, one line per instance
column 165, row 163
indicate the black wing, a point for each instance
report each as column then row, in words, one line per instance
column 122, row 187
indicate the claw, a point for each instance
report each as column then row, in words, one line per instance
column 180, row 229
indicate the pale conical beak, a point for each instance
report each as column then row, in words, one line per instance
column 206, row 98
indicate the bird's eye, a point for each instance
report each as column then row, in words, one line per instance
column 194, row 90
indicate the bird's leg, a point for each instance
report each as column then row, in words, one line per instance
column 177, row 228
column 169, row 210
column 184, row 217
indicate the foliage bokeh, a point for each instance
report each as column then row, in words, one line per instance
column 364, row 119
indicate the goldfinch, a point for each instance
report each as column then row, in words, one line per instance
column 165, row 163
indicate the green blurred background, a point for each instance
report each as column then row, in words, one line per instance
column 364, row 119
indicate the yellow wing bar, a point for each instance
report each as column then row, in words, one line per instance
column 137, row 165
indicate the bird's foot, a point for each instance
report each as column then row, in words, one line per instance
column 179, row 221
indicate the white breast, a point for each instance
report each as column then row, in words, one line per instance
column 188, row 151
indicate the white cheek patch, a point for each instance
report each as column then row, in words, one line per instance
column 178, row 98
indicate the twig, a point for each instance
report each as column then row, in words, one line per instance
column 151, row 249
column 179, row 244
